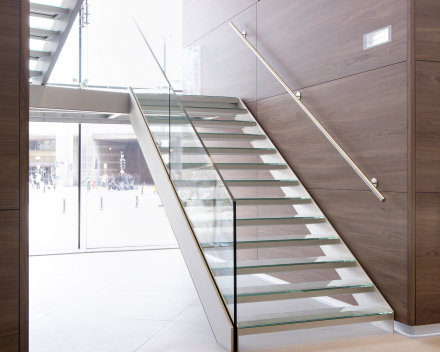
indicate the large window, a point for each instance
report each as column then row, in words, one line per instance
column 53, row 182
column 91, row 189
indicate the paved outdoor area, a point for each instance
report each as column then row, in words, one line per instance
column 120, row 222
column 146, row 301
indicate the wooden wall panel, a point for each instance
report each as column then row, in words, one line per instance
column 311, row 42
column 428, row 258
column 427, row 36
column 366, row 114
column 376, row 233
column 227, row 66
column 428, row 126
column 14, row 154
column 208, row 14
column 361, row 97
column 24, row 177
column 9, row 103
column 9, row 280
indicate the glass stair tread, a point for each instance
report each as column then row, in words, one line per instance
column 292, row 261
column 42, row 33
column 188, row 97
column 273, row 241
column 33, row 4
column 285, row 241
column 43, row 29
column 37, row 54
column 262, row 183
column 223, row 166
column 273, row 201
column 35, row 73
column 236, row 183
column 301, row 290
column 220, row 150
column 251, row 201
column 292, row 220
column 47, row 11
column 206, row 135
column 191, row 110
column 187, row 106
column 333, row 315
column 164, row 120
column 279, row 265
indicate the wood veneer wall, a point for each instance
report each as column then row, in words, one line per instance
column 427, row 200
column 14, row 151
column 361, row 97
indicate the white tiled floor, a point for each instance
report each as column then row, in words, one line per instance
column 145, row 301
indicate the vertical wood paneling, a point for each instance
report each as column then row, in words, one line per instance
column 427, row 31
column 14, row 150
column 428, row 258
column 9, row 280
column 366, row 101
column 427, row 197
column 366, row 114
column 312, row 42
column 411, row 208
column 24, row 172
column 9, row 103
column 428, row 126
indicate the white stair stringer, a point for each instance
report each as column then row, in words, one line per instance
column 371, row 298
column 213, row 304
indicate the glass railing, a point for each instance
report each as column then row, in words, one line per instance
column 207, row 201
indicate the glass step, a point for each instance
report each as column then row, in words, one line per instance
column 285, row 241
column 228, row 166
column 47, row 11
column 37, row 54
column 188, row 97
column 165, row 109
column 178, row 120
column 301, row 290
column 248, row 201
column 262, row 183
column 219, row 150
column 287, row 264
column 273, row 201
column 235, row 183
column 211, row 136
column 293, row 320
column 42, row 33
column 293, row 220
column 274, row 241
column 34, row 73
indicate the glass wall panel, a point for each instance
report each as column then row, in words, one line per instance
column 111, row 26
column 53, row 186
column 120, row 205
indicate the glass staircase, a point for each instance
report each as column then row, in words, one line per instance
column 198, row 150
column 47, row 42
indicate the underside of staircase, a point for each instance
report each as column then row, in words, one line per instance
column 58, row 21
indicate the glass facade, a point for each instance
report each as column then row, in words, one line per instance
column 91, row 189
column 53, row 183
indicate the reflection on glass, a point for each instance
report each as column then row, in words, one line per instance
column 213, row 221
column 53, row 186
column 120, row 206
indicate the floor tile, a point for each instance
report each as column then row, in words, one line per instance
column 59, row 333
column 194, row 313
column 179, row 336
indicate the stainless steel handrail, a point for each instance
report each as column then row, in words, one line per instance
column 313, row 118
